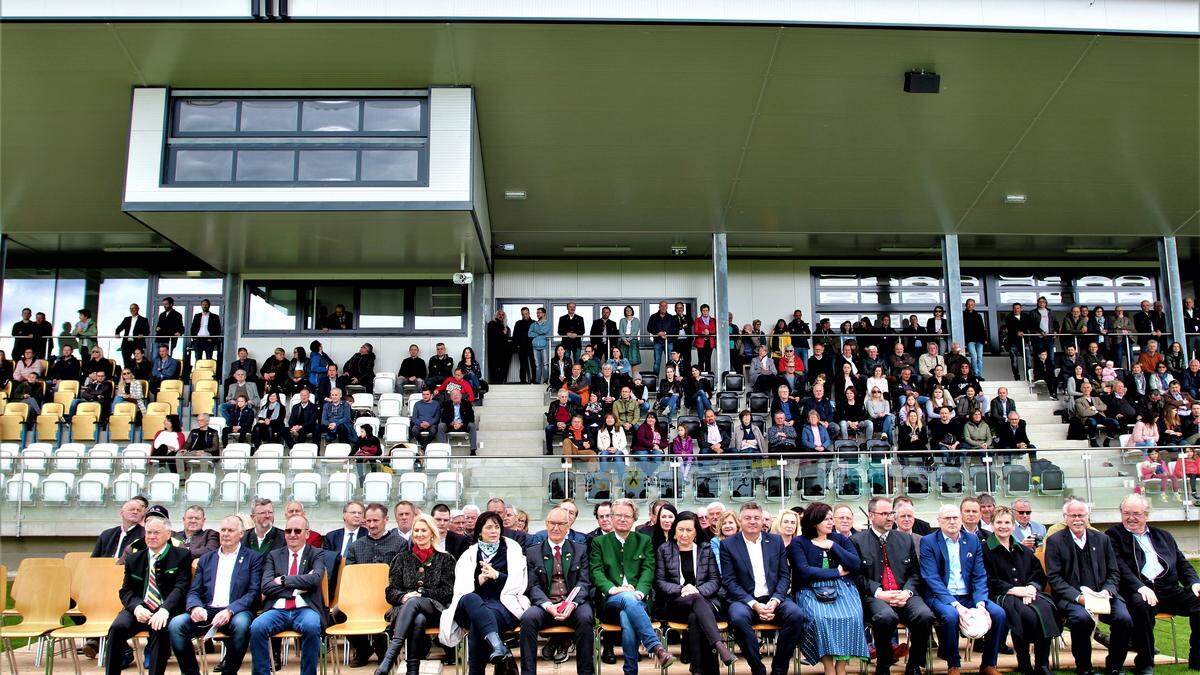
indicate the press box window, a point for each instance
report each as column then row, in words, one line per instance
column 247, row 142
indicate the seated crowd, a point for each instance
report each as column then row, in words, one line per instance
column 806, row 575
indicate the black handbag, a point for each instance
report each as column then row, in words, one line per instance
column 825, row 593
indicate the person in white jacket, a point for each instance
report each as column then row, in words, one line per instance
column 489, row 596
column 612, row 446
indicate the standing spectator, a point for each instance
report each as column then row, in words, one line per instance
column 1191, row 326
column 22, row 332
column 659, row 325
column 571, row 330
column 603, row 333
column 499, row 348
column 938, row 328
column 135, row 328
column 684, row 325
column 206, row 329
column 523, row 346
column 705, row 329
column 799, row 331
column 1043, row 325
column 539, row 338
column 318, row 362
column 85, row 329
column 1149, row 324
column 630, row 329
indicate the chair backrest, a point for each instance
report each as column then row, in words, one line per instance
column 389, row 407
column 302, row 459
column 727, row 402
column 17, row 408
column 364, row 401
column 159, row 407
column 403, row 459
column 360, row 594
column 69, row 385
column 57, row 409
column 173, row 386
column 377, row 487
column 100, row 457
column 95, row 588
column 270, row 486
column 90, row 487
column 268, row 457
column 88, row 408
column 341, row 487
column 413, row 487
column 437, row 458
column 44, row 593
column 734, row 381
column 385, row 383
column 125, row 408
column 758, row 402
column 57, row 487
column 306, row 487
column 373, row 421
column 337, row 450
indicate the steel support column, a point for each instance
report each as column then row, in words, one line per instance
column 1171, row 291
column 952, row 274
column 231, row 321
column 720, row 253
column 481, row 302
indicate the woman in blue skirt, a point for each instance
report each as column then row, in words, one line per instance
column 823, row 564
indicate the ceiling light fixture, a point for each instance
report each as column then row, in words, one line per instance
column 910, row 249
column 515, row 195
column 1015, row 199
column 596, row 249
column 1086, row 250
column 760, row 249
column 507, row 247
column 138, row 249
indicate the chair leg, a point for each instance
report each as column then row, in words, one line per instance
column 198, row 646
column 74, row 654
column 139, row 657
column 1174, row 642
column 50, row 655
column 12, row 657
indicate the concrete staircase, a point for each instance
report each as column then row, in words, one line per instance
column 511, row 421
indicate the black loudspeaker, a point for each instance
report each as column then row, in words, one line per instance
column 922, row 82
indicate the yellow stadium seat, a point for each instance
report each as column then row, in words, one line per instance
column 98, row 600
column 12, row 428
column 69, row 385
column 126, row 408
column 83, row 428
column 48, row 422
column 206, row 385
column 172, row 385
column 200, row 374
column 152, row 423
column 120, row 428
column 169, row 398
column 206, row 364
column 158, row 408
column 203, row 402
column 88, row 408
column 64, row 397
column 17, row 408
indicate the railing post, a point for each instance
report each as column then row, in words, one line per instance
column 987, row 468
column 1087, row 474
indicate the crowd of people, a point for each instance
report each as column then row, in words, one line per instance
column 807, row 576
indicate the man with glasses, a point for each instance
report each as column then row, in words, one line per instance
column 1081, row 562
column 291, row 589
column 1027, row 531
column 622, row 567
column 559, row 587
column 1156, row 578
column 604, row 522
column 264, row 536
column 889, row 580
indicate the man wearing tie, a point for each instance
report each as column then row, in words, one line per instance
column 223, row 596
column 889, row 581
column 135, row 328
column 340, row 539
column 757, row 579
column 558, row 568
column 1155, row 579
column 291, row 589
column 113, row 541
column 956, row 582
column 154, row 590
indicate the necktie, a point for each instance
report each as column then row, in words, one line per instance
column 889, row 579
column 349, row 542
column 153, row 597
column 120, row 540
column 290, row 603
column 558, row 559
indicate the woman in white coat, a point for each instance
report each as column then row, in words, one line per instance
column 489, row 595
column 613, row 446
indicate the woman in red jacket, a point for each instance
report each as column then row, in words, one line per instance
column 705, row 328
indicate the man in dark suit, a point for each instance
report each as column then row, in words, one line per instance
column 888, row 582
column 196, row 538
column 920, row 527
column 999, row 408
column 1156, row 578
column 169, row 324
column 458, row 415
column 244, row 363
column 570, row 329
column 604, row 334
column 764, row 598
column 207, row 325
column 1081, row 560
column 304, row 421
column 154, row 590
column 1013, row 435
column 113, row 541
column 955, row 583
column 559, row 588
column 291, row 587
column 224, row 594
column 352, row 529
column 135, row 328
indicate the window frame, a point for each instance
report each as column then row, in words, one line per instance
column 306, row 289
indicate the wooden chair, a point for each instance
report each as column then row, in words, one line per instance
column 679, row 627
column 45, row 597
column 99, row 602
column 24, row 570
column 361, row 598
column 72, row 561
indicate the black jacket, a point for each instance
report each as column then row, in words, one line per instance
column 466, row 411
column 433, row 579
column 66, row 369
column 1060, row 565
column 667, row 575
column 307, row 417
column 308, row 580
column 441, row 366
column 974, row 329
column 247, row 364
column 1130, row 559
column 575, row 563
column 106, row 543
column 173, row 573
column 571, row 324
column 214, row 325
column 169, row 323
column 1007, row 437
column 902, row 559
column 413, row 366
column 603, row 334
column 135, row 333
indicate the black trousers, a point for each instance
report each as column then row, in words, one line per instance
column 525, row 360
column 702, row 634
column 1081, row 626
column 410, row 623
column 535, row 618
column 124, row 627
column 1175, row 600
column 883, row 619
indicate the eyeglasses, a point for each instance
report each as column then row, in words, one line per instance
column 1024, row 513
column 884, row 513
column 294, row 530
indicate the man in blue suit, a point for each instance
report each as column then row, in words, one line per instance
column 757, row 579
column 341, row 539
column 955, row 582
column 224, row 594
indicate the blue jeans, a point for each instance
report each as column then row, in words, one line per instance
column 671, row 403
column 636, row 628
column 803, row 352
column 659, row 348
column 701, row 402
column 303, row 620
column 885, row 424
column 947, row 632
column 182, row 629
column 975, row 353
column 539, row 369
column 344, row 432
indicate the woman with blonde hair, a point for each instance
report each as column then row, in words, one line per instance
column 420, row 586
column 724, row 525
column 786, row 526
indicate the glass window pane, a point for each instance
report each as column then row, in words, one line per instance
column 1126, row 297
column 270, row 115
column 381, row 308
column 921, row 281
column 392, row 115
column 871, row 298
column 1134, row 280
column 973, row 282
column 870, row 281
column 36, row 294
column 203, row 115
column 1095, row 297
column 837, row 280
column 921, row 297
column 837, row 297
column 212, row 287
column 327, row 165
column 1093, row 280
column 272, row 308
column 68, row 298
column 974, row 295
column 325, row 301
column 265, row 165
column 389, row 165
column 203, row 165
column 330, row 116
column 1004, row 281
column 116, row 295
column 438, row 308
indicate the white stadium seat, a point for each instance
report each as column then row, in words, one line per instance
column 269, row 457
column 8, row 456
column 362, row 402
column 448, row 486
column 128, row 485
column 235, row 457
column 396, row 430
column 69, row 457
column 301, row 460
column 135, row 456
column 36, row 457
column 403, row 459
column 270, row 486
column 163, row 487
column 235, row 488
column 90, row 488
column 373, row 421
column 200, row 487
column 342, row 486
column 101, row 457
column 390, row 405
column 385, row 383
column 437, row 457
column 21, row 487
column 337, row 457
column 413, row 487
column 306, row 487
column 377, row 487
column 57, row 488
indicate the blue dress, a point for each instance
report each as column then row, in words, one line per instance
column 835, row 628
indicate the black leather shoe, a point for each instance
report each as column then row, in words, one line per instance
column 607, row 655
column 358, row 660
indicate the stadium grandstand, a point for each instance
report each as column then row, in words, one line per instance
column 609, row 336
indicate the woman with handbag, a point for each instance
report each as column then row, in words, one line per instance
column 822, row 564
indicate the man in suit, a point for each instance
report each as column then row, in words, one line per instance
column 113, row 541
column 330, row 381
column 1000, row 407
column 154, row 590
column 1078, row 560
column 224, row 595
column 292, row 577
column 245, row 363
column 264, row 536
column 351, row 530
column 164, row 367
column 457, row 415
column 1155, row 579
column 169, row 324
column 888, row 582
column 207, row 327
column 956, row 582
column 604, row 334
column 303, row 424
column 194, row 536
column 559, row 588
column 1014, row 435
column 920, row 527
column 622, row 568
column 570, row 328
column 135, row 328
column 757, row 580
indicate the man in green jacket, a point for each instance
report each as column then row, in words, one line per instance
column 622, row 564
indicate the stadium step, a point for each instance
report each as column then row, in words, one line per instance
column 512, row 418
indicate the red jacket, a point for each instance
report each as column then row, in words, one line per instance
column 1189, row 467
column 701, row 330
column 468, row 392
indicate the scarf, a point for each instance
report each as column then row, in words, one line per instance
column 423, row 554
column 488, row 551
